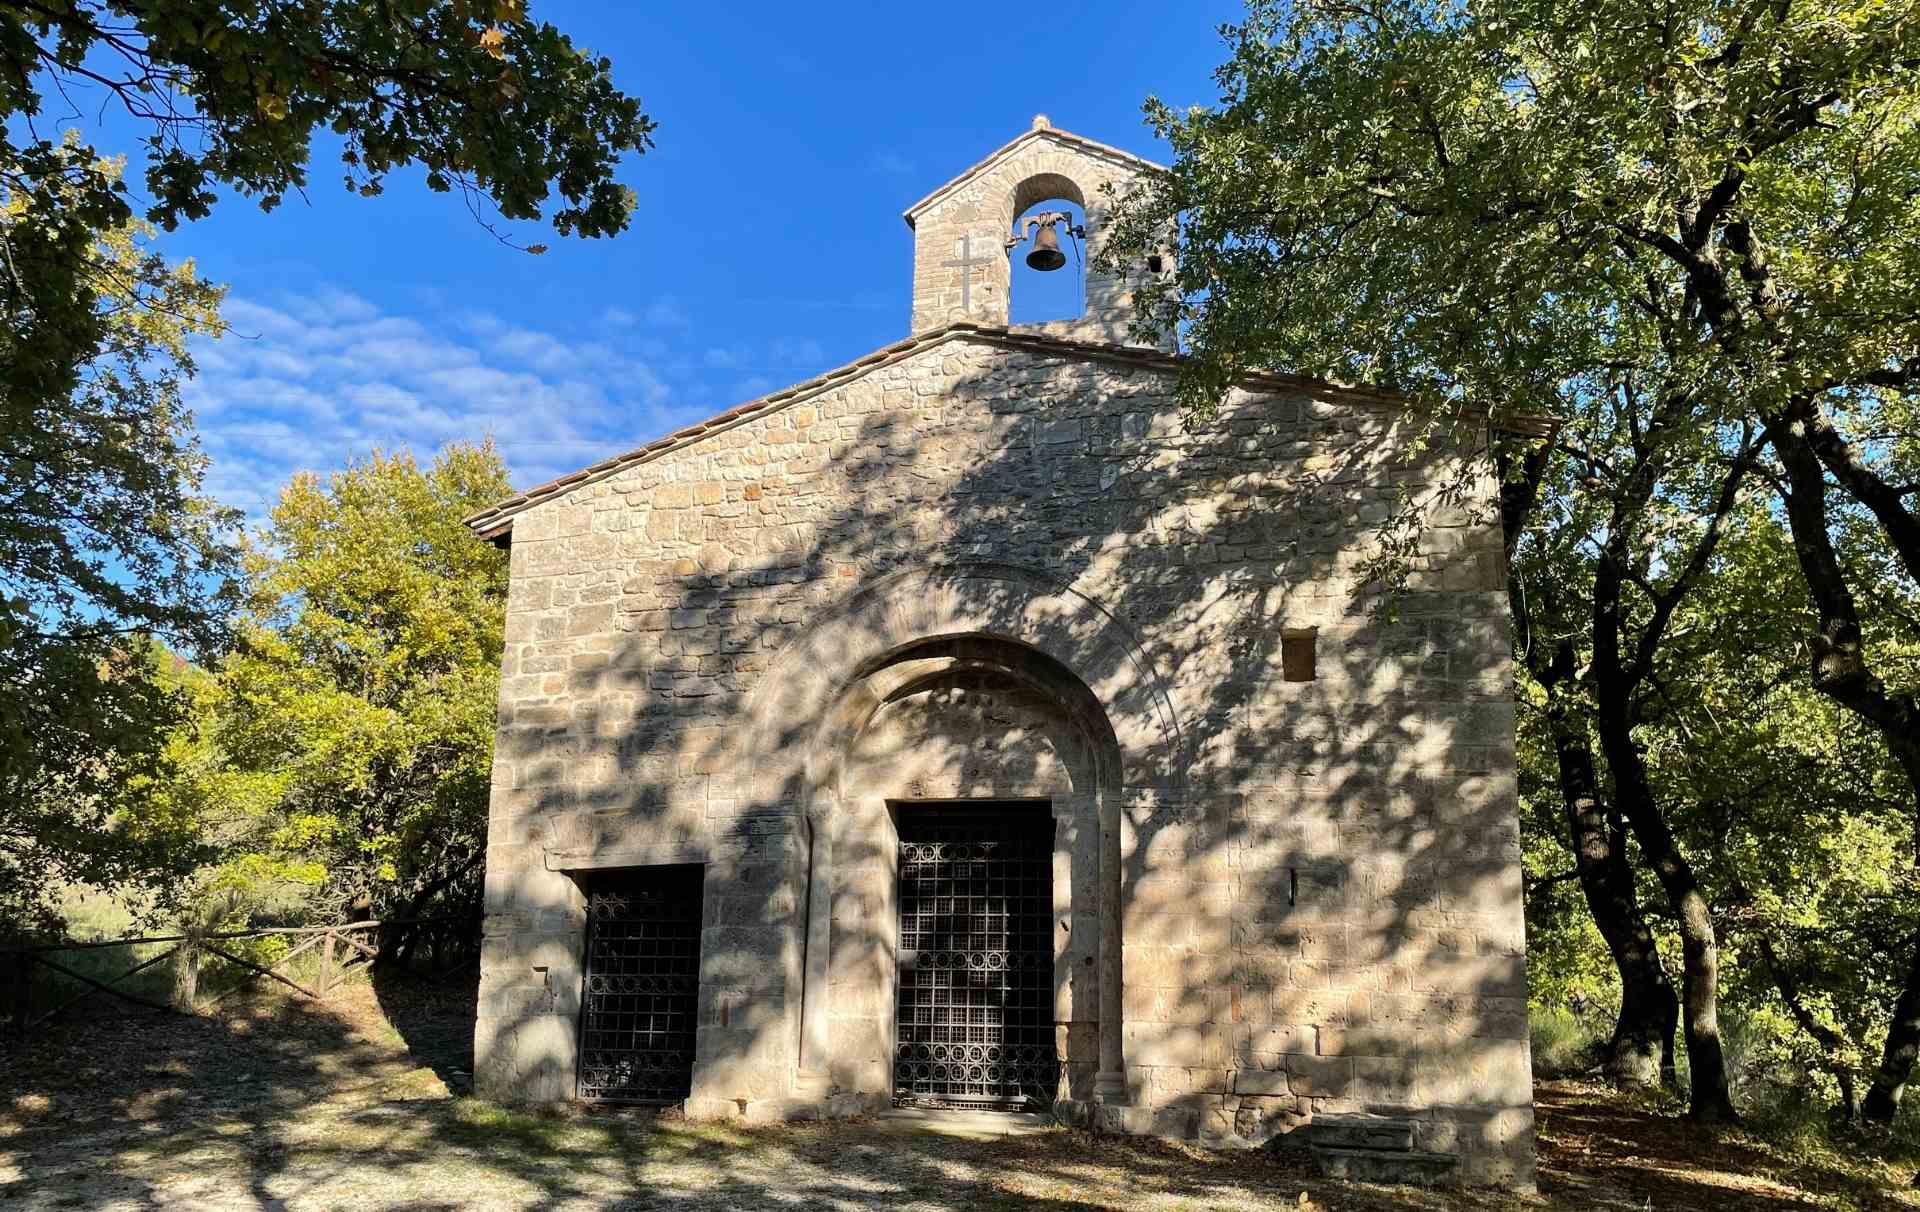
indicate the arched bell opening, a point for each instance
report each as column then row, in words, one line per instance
column 1047, row 251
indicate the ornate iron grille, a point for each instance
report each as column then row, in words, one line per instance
column 975, row 1025
column 643, row 984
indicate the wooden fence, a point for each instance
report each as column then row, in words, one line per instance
column 338, row 947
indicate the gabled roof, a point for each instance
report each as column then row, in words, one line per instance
column 1044, row 132
column 494, row 522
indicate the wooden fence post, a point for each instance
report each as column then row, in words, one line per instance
column 186, row 977
column 22, row 991
column 326, row 965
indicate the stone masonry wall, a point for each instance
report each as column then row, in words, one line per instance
column 1321, row 903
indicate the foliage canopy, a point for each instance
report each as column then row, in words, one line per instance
column 352, row 729
column 1688, row 236
column 106, row 543
column 110, row 554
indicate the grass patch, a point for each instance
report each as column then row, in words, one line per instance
column 1564, row 1044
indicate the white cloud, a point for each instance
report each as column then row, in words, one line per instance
column 312, row 381
column 403, row 353
column 331, row 305
column 661, row 313
column 666, row 313
column 309, row 382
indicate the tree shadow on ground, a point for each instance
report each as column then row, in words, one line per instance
column 107, row 1105
column 434, row 1016
column 282, row 1104
column 1599, row 1147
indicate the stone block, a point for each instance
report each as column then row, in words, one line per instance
column 1215, row 1129
column 1276, row 1039
column 1260, row 1119
column 1124, row 1120
column 1318, row 1076
column 1363, row 1132
column 1177, row 1083
column 1369, row 1041
column 1180, row 1121
column 1262, row 1082
column 1170, row 1044
column 590, row 620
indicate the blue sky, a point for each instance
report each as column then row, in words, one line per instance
column 768, row 244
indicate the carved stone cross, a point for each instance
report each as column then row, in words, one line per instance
column 965, row 265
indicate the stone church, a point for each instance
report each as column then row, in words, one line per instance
column 958, row 729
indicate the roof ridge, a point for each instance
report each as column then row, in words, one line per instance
column 494, row 521
column 1105, row 150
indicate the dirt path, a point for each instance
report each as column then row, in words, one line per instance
column 359, row 1105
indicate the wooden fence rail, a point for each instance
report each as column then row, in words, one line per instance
column 339, row 946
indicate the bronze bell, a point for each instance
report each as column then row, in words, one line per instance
column 1046, row 255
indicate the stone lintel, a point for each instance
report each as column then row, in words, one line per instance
column 603, row 857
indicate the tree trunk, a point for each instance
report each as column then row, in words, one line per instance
column 1641, row 1050
column 1902, row 1048
column 1709, row 1100
column 1841, row 672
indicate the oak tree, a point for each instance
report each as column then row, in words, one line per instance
column 1703, row 220
column 107, row 541
column 352, row 726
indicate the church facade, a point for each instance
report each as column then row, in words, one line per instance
column 958, row 729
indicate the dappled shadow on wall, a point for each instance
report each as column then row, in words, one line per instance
column 1325, row 886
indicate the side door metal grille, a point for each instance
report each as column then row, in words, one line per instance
column 975, row 1022
column 642, row 985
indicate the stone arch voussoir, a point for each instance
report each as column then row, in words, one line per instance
column 1002, row 602
column 1052, row 177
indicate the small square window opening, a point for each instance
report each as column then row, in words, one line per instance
column 1297, row 655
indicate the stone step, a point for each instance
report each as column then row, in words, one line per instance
column 1384, row 1166
column 813, row 1087
column 975, row 1124
column 1361, row 1132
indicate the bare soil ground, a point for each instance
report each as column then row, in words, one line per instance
column 359, row 1103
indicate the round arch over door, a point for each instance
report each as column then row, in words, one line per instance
column 911, row 631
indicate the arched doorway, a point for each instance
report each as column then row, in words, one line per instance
column 956, row 688
column 961, row 786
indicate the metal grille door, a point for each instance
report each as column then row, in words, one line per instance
column 643, row 983
column 976, row 958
